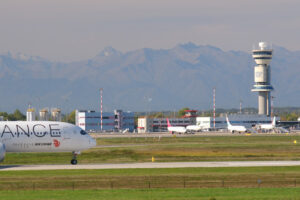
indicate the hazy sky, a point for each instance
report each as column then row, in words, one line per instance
column 70, row 30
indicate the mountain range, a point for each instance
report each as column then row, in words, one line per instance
column 146, row 79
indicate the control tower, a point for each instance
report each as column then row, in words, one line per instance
column 262, row 78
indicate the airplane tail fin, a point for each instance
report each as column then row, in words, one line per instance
column 274, row 121
column 228, row 123
column 169, row 125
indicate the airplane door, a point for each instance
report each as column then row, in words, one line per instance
column 66, row 137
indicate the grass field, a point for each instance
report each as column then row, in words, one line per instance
column 198, row 148
column 182, row 183
column 157, row 194
column 243, row 177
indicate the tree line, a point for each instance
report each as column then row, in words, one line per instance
column 17, row 115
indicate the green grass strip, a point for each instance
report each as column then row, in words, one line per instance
column 157, row 194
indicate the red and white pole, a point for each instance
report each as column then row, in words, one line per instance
column 101, row 107
column 214, row 101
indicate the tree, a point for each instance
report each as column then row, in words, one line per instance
column 71, row 117
column 158, row 115
column 289, row 117
column 18, row 115
column 181, row 112
column 5, row 115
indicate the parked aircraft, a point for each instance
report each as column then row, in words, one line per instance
column 235, row 128
column 43, row 136
column 268, row 126
column 175, row 129
column 193, row 128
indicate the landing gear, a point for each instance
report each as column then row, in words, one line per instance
column 74, row 158
column 74, row 162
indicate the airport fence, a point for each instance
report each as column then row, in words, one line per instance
column 142, row 183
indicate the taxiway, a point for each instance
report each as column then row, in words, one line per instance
column 151, row 165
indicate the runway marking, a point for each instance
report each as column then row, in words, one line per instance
column 151, row 165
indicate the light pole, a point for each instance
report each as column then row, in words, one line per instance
column 214, row 102
column 241, row 102
column 101, row 108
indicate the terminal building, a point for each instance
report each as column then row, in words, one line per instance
column 148, row 124
column 111, row 121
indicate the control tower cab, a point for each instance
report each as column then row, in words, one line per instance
column 262, row 78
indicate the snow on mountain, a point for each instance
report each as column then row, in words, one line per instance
column 172, row 78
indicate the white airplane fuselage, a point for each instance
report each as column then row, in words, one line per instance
column 193, row 128
column 43, row 136
column 235, row 128
column 268, row 126
column 175, row 129
column 178, row 129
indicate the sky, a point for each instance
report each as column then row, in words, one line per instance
column 72, row 30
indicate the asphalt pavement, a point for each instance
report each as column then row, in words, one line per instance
column 151, row 165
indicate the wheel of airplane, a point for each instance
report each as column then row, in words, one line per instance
column 73, row 161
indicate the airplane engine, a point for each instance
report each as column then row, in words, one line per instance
column 2, row 152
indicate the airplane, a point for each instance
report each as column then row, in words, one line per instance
column 43, row 136
column 235, row 128
column 175, row 129
column 193, row 128
column 268, row 126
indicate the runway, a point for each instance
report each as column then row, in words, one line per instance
column 151, row 165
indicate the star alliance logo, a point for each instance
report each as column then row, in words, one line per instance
column 56, row 143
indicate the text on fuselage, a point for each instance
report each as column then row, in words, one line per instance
column 38, row 130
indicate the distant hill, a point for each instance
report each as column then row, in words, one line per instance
column 146, row 79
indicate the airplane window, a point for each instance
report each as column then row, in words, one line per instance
column 82, row 132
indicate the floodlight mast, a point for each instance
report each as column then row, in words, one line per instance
column 101, row 108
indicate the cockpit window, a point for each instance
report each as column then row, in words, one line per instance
column 82, row 132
